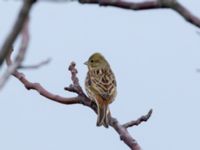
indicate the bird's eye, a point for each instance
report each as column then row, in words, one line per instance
column 92, row 61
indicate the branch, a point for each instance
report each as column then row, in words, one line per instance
column 16, row 29
column 20, row 56
column 185, row 13
column 139, row 120
column 81, row 98
column 35, row 66
column 146, row 5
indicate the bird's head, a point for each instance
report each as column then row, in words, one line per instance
column 96, row 61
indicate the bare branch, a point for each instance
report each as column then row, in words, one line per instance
column 20, row 56
column 124, row 4
column 75, row 87
column 22, row 17
column 185, row 13
column 81, row 99
column 74, row 71
column 146, row 5
column 139, row 120
column 35, row 66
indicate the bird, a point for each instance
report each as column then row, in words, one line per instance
column 101, row 86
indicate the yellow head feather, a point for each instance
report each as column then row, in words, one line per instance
column 96, row 61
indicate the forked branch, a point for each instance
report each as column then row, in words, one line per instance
column 81, row 98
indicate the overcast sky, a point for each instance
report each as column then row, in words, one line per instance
column 154, row 55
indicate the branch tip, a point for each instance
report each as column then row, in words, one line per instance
column 139, row 120
column 72, row 66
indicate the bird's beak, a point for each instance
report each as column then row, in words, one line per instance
column 86, row 63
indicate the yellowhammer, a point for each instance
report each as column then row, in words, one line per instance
column 100, row 86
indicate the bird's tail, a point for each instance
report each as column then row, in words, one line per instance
column 106, row 119
column 103, row 111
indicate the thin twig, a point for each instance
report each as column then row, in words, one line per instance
column 139, row 120
column 35, row 66
column 75, row 87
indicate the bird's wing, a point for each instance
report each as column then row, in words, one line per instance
column 104, row 85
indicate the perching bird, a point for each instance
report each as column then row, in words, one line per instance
column 100, row 86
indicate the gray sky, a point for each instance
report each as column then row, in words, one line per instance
column 154, row 55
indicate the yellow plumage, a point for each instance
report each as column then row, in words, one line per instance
column 100, row 85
